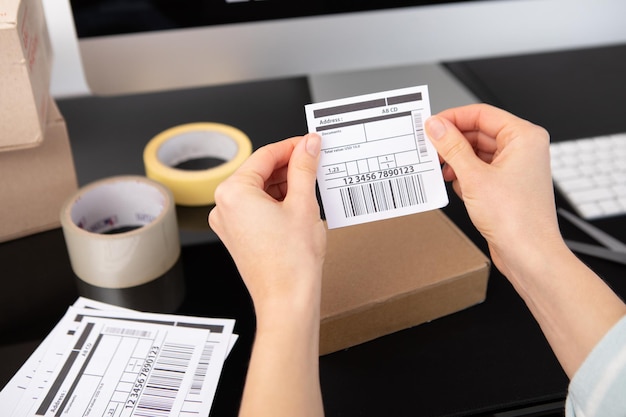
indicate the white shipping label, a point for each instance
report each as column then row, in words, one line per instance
column 376, row 160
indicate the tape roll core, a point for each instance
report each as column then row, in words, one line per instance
column 115, row 205
column 147, row 250
column 192, row 141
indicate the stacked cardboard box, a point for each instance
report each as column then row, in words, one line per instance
column 24, row 73
column 36, row 166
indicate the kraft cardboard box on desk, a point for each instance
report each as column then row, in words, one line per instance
column 25, row 66
column 390, row 275
column 35, row 182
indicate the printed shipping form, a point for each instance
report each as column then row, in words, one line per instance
column 104, row 361
column 376, row 161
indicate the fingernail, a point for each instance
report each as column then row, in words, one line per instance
column 435, row 128
column 313, row 144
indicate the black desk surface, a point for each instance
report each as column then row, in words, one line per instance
column 487, row 358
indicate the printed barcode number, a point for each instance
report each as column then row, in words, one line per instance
column 164, row 382
column 419, row 135
column 382, row 196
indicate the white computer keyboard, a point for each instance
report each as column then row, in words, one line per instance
column 591, row 174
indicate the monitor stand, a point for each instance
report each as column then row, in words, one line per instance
column 444, row 89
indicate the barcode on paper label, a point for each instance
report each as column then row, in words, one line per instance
column 376, row 161
column 163, row 385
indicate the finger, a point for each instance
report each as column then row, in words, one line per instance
column 448, row 173
column 485, row 120
column 254, row 173
column 452, row 146
column 457, row 189
column 303, row 168
column 278, row 177
column 213, row 219
column 265, row 161
column 277, row 191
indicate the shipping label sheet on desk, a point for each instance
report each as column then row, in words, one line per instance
column 121, row 363
column 376, row 161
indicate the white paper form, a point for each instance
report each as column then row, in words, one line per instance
column 11, row 394
column 219, row 344
column 376, row 161
column 114, row 368
column 32, row 384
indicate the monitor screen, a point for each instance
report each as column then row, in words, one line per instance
column 134, row 46
column 114, row 17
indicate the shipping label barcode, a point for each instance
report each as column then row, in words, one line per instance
column 385, row 195
column 117, row 331
column 419, row 135
column 201, row 370
column 157, row 399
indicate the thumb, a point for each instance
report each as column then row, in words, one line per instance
column 451, row 145
column 302, row 169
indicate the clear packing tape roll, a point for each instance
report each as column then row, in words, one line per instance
column 121, row 231
column 194, row 141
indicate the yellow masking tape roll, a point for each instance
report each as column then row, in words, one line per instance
column 121, row 232
column 193, row 141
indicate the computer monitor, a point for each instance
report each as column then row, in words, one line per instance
column 148, row 45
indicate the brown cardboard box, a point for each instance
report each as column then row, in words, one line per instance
column 389, row 275
column 25, row 65
column 35, row 182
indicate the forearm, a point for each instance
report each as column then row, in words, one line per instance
column 283, row 376
column 573, row 306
